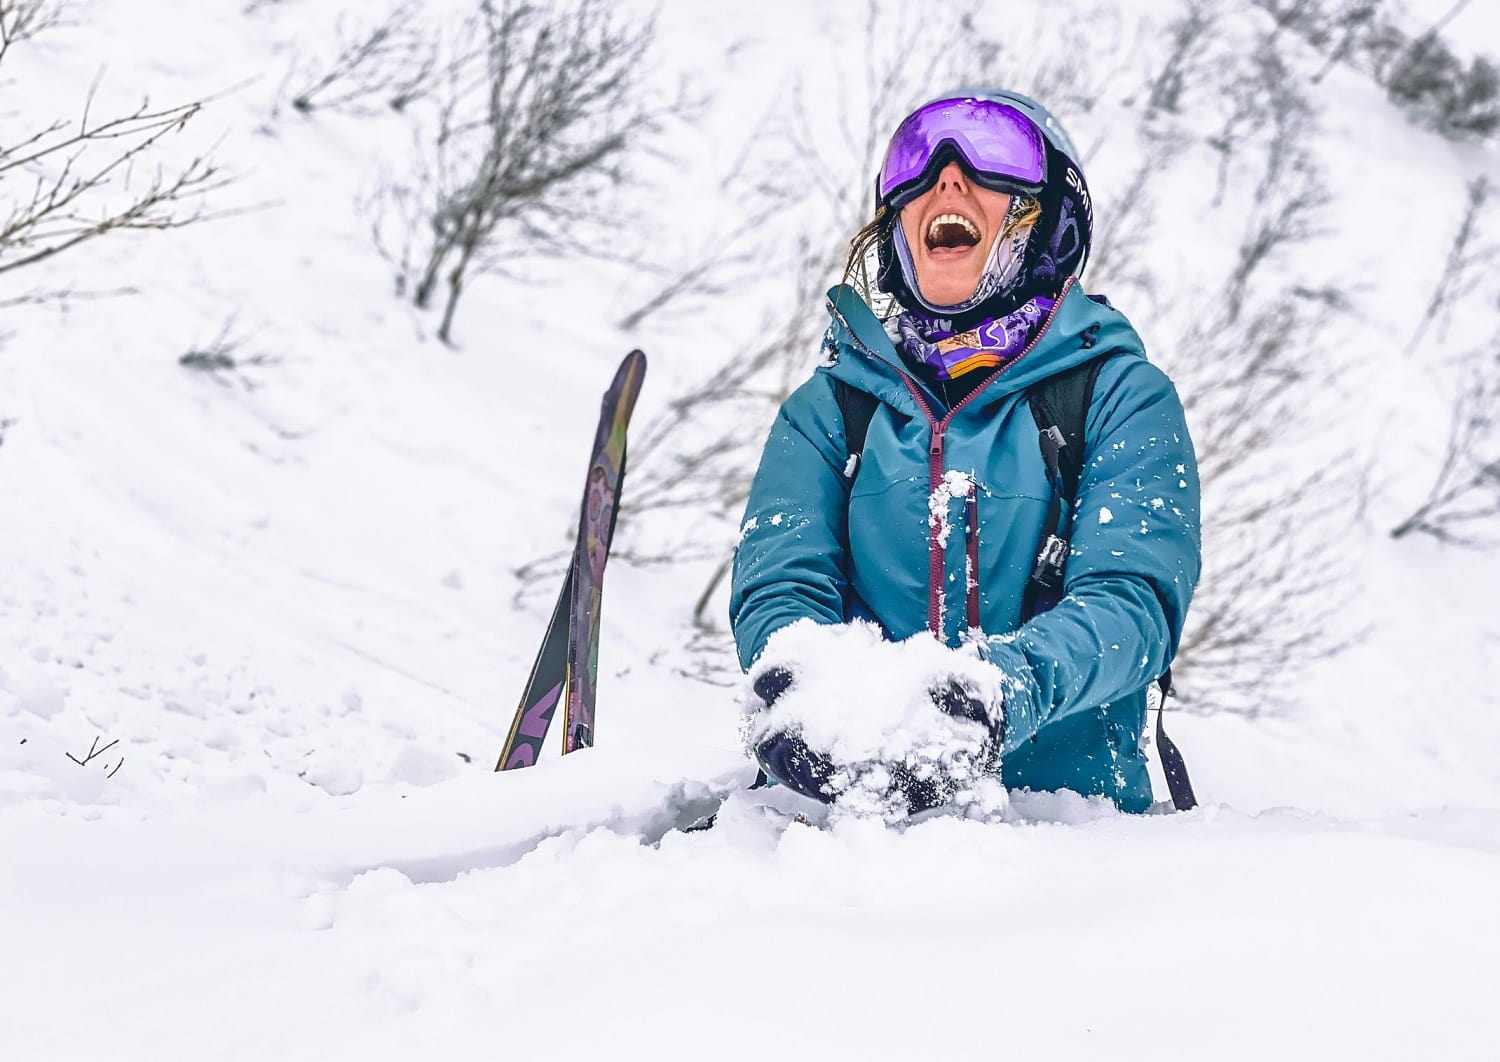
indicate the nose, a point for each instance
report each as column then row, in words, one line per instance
column 952, row 178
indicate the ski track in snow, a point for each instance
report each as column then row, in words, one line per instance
column 281, row 610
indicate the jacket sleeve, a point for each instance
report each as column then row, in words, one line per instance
column 791, row 559
column 1133, row 564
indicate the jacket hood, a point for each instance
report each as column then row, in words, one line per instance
column 1080, row 327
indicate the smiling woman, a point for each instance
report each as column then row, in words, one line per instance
column 996, row 464
column 955, row 226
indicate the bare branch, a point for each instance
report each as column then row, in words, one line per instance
column 78, row 176
column 392, row 63
column 532, row 128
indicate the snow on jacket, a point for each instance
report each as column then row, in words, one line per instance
column 817, row 544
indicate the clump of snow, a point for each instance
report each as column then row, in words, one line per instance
column 335, row 774
column 1105, row 516
column 954, row 484
column 422, row 766
column 866, row 704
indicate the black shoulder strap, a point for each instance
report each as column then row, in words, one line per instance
column 1062, row 402
column 857, row 408
column 1060, row 406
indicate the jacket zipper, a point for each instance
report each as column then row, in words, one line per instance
column 939, row 429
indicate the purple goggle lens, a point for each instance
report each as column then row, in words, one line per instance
column 997, row 142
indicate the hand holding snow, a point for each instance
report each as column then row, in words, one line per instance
column 867, row 705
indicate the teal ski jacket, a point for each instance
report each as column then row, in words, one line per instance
column 892, row 536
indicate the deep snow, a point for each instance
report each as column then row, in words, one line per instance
column 291, row 599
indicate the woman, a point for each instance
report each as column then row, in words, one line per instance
column 952, row 502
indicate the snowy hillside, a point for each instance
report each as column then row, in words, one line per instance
column 288, row 596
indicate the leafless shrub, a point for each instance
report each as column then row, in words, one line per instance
column 1287, row 202
column 21, row 19
column 1183, row 62
column 528, row 138
column 62, row 297
column 1276, row 506
column 1462, row 506
column 1457, row 278
column 223, row 359
column 716, row 268
column 1455, row 98
column 1336, row 28
column 1278, row 501
column 80, row 181
column 392, row 63
column 1421, row 73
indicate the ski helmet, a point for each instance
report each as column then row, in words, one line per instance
column 1006, row 142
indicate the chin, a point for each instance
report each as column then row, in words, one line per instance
column 948, row 295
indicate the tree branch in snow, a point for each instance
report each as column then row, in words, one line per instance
column 392, row 63
column 528, row 138
column 66, row 183
column 94, row 752
column 1182, row 63
column 1462, row 506
column 22, row 19
column 1456, row 281
column 223, row 360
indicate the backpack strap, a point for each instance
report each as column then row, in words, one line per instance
column 1172, row 765
column 857, row 408
column 1060, row 406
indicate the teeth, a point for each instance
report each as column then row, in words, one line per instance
column 952, row 219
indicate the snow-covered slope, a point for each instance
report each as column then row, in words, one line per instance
column 289, row 598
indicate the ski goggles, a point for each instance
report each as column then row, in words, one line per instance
column 1000, row 147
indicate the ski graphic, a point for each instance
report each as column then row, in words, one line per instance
column 596, row 529
column 544, row 689
column 567, row 666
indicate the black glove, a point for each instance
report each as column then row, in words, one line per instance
column 785, row 756
column 771, row 684
column 955, row 699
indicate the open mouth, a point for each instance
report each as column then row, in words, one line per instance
column 951, row 232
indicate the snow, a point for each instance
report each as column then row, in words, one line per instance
column 261, row 636
column 953, row 486
column 866, row 705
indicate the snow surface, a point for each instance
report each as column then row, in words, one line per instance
column 283, row 609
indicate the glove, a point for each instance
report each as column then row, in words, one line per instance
column 785, row 756
column 954, row 698
column 934, row 790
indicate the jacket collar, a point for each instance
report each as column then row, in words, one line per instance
column 1079, row 328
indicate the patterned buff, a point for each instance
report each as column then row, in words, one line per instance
column 929, row 341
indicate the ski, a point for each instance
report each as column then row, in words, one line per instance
column 545, row 687
column 596, row 529
column 567, row 665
